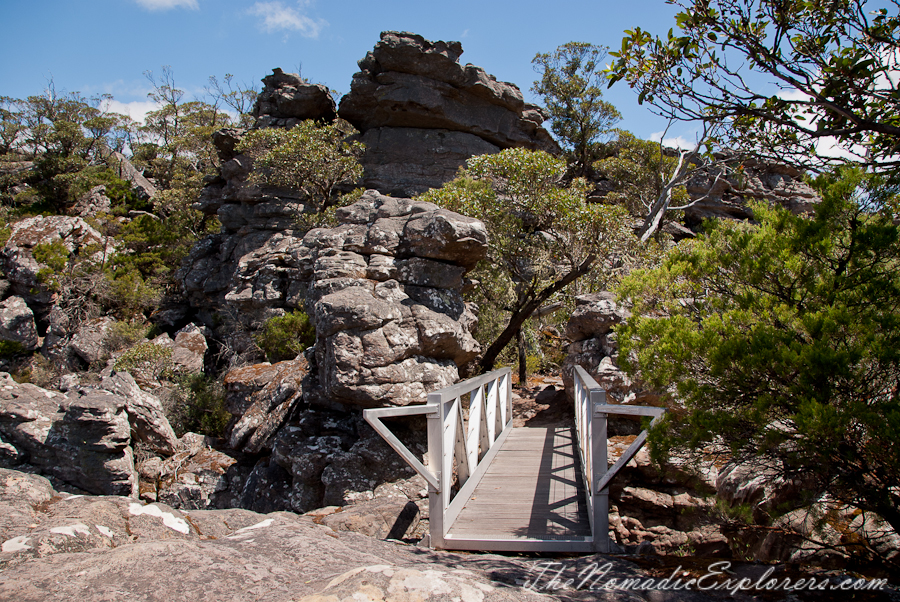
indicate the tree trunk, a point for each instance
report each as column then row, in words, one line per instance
column 523, row 359
column 524, row 312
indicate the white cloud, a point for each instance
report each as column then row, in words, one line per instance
column 276, row 16
column 792, row 94
column 681, row 142
column 137, row 110
column 168, row 4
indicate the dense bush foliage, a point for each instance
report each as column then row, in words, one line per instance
column 782, row 341
column 197, row 405
column 285, row 337
column 311, row 158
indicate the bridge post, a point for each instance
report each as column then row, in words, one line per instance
column 600, row 465
column 435, row 460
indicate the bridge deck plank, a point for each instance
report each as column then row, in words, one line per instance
column 531, row 490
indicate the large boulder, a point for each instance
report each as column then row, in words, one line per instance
column 594, row 347
column 717, row 195
column 287, row 99
column 89, row 341
column 17, row 324
column 391, row 323
column 422, row 114
column 145, row 414
column 82, row 437
column 261, row 397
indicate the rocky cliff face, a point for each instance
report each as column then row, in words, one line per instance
column 422, row 114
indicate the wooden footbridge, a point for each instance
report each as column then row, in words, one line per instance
column 492, row 487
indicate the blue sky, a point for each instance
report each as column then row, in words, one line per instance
column 105, row 46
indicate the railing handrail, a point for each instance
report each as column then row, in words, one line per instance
column 473, row 443
column 466, row 386
column 591, row 411
column 373, row 417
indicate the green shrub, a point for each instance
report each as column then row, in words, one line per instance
column 125, row 334
column 55, row 256
column 285, row 337
column 148, row 360
column 131, row 294
column 11, row 349
column 198, row 406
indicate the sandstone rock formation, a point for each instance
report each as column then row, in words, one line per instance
column 88, row 341
column 261, row 397
column 92, row 202
column 422, row 114
column 145, row 414
column 384, row 288
column 86, row 436
column 194, row 477
column 728, row 197
column 56, row 548
column 391, row 323
column 17, row 324
column 593, row 346
column 287, row 99
column 82, row 437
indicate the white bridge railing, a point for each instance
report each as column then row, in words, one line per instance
column 591, row 412
column 459, row 442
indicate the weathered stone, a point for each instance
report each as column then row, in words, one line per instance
column 92, row 202
column 407, row 81
column 406, row 160
column 287, row 99
column 594, row 348
column 269, row 406
column 387, row 279
column 17, row 324
column 82, row 438
column 384, row 518
column 89, row 340
column 422, row 114
column 191, row 479
column 189, row 350
column 729, row 196
column 145, row 413
column 116, row 548
column 352, row 476
column 594, row 316
column 20, row 266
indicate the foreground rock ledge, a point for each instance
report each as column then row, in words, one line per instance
column 57, row 547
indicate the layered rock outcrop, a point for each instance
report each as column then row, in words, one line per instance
column 287, row 99
column 391, row 323
column 728, row 196
column 421, row 114
column 83, row 437
column 384, row 289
